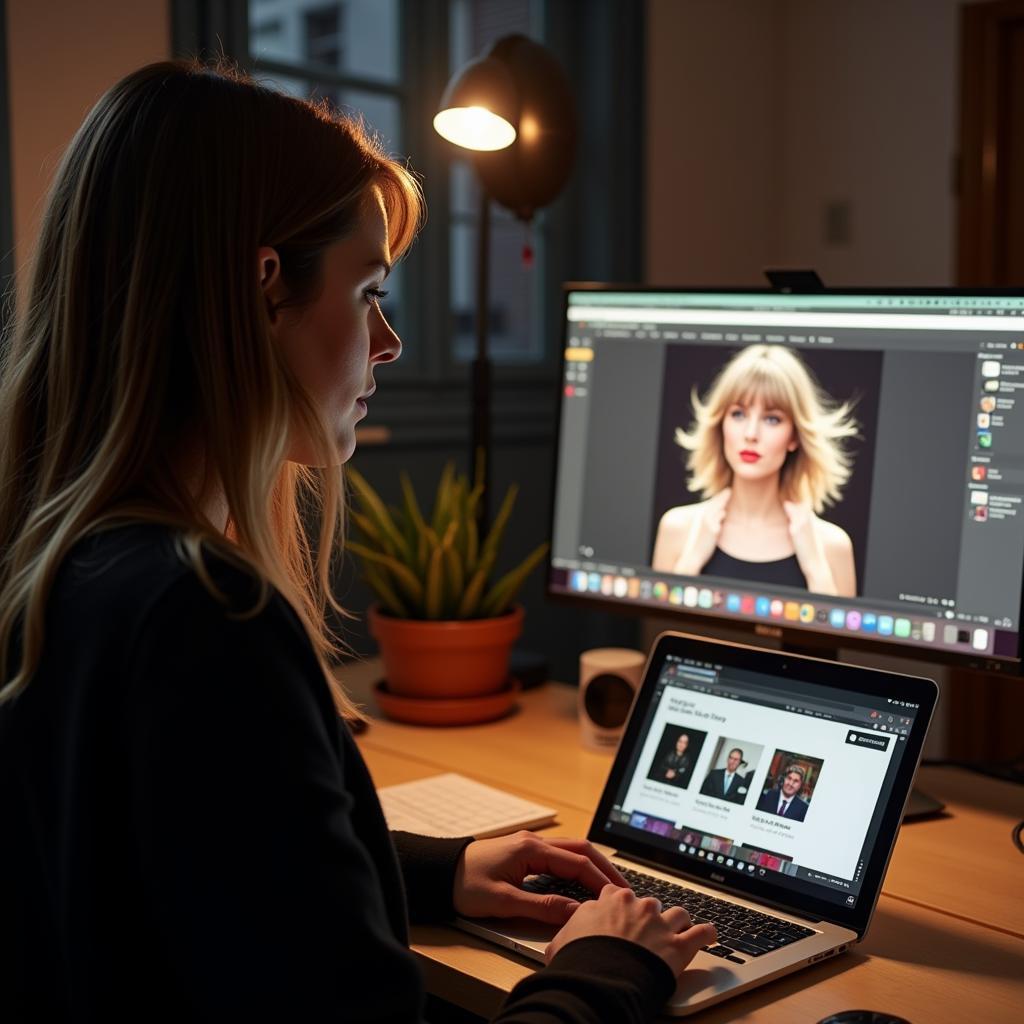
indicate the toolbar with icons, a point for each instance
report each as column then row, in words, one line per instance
column 943, row 630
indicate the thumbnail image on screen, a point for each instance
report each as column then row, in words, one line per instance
column 676, row 756
column 790, row 785
column 734, row 764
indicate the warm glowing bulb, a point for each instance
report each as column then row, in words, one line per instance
column 474, row 128
column 529, row 129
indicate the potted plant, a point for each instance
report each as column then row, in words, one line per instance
column 445, row 626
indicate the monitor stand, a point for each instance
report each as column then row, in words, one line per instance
column 919, row 804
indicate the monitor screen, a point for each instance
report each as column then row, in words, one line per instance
column 842, row 468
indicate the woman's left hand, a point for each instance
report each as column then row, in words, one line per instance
column 490, row 872
column 807, row 546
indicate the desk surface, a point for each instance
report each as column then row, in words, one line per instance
column 947, row 941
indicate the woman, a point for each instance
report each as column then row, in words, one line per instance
column 766, row 454
column 190, row 832
column 676, row 764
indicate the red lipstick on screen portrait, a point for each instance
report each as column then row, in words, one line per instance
column 748, row 456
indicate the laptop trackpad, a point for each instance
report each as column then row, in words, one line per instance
column 695, row 982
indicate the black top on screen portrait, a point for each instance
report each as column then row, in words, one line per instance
column 783, row 572
column 190, row 832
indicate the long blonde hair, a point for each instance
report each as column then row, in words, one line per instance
column 817, row 470
column 145, row 324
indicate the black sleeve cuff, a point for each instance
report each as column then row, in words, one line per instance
column 428, row 870
column 594, row 979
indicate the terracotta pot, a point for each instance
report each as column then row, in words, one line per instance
column 445, row 658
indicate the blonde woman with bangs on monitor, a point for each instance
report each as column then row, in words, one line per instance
column 766, row 454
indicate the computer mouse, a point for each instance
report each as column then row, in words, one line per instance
column 863, row 1017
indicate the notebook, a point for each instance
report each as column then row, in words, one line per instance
column 453, row 805
column 760, row 791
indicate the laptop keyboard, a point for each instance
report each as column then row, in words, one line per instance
column 742, row 932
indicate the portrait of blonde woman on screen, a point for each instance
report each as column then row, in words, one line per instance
column 767, row 456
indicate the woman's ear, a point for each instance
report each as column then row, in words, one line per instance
column 269, row 270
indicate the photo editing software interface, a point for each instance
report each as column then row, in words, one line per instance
column 847, row 464
column 772, row 778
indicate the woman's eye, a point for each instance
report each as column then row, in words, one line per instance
column 772, row 420
column 375, row 295
column 736, row 414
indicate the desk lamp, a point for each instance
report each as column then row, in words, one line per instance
column 514, row 110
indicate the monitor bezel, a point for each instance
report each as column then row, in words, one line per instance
column 869, row 682
column 792, row 637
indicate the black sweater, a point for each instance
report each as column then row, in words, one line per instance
column 189, row 833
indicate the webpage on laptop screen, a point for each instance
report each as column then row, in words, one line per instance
column 763, row 775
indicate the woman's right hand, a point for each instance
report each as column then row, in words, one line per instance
column 618, row 912
column 700, row 544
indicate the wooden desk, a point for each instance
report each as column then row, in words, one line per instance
column 946, row 943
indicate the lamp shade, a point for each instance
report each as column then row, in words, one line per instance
column 523, row 83
column 479, row 109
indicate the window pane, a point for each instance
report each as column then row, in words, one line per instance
column 473, row 25
column 516, row 293
column 354, row 37
column 382, row 113
column 464, row 190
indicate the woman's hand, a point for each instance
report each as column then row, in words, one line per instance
column 702, row 539
column 810, row 553
column 490, row 871
column 618, row 912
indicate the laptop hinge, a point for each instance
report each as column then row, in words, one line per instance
column 725, row 889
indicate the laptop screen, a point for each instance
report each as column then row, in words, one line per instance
column 764, row 776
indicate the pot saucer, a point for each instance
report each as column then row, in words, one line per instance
column 447, row 710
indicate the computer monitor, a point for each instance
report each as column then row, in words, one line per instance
column 890, row 423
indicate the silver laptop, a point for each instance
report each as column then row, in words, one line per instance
column 761, row 791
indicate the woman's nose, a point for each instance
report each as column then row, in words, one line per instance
column 385, row 346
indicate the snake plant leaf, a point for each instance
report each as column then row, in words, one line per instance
column 422, row 551
column 472, row 544
column 490, row 547
column 501, row 595
column 378, row 582
column 455, row 574
column 441, row 501
column 434, row 598
column 412, row 506
column 407, row 582
column 376, row 510
column 471, row 598
column 367, row 528
column 449, row 534
column 474, row 500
